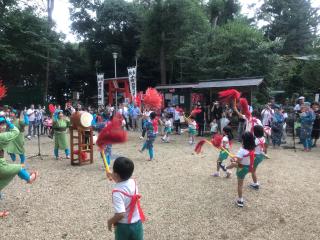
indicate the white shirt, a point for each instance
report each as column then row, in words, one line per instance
column 259, row 148
column 168, row 123
column 225, row 142
column 176, row 115
column 267, row 116
column 121, row 202
column 249, row 123
column 31, row 115
column 297, row 107
column 241, row 154
column 193, row 124
column 214, row 127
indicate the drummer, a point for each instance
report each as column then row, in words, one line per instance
column 60, row 126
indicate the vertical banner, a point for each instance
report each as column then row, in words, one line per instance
column 100, row 80
column 132, row 73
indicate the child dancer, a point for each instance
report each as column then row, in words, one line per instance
column 128, row 216
column 16, row 146
column 223, row 155
column 9, row 171
column 259, row 153
column 243, row 161
column 151, row 129
column 167, row 129
column 60, row 125
column 192, row 124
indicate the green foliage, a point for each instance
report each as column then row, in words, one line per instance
column 294, row 21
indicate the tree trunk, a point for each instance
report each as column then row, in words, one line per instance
column 163, row 70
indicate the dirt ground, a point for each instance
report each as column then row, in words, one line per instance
column 179, row 197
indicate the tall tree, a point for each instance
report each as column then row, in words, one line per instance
column 166, row 27
column 293, row 21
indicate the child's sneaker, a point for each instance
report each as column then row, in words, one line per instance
column 240, row 203
column 228, row 174
column 141, row 137
column 217, row 174
column 254, row 186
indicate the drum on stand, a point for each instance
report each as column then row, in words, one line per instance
column 81, row 119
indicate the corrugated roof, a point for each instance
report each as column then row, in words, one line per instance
column 217, row 83
column 176, row 86
column 230, row 83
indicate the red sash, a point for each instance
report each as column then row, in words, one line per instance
column 251, row 154
column 261, row 143
column 135, row 201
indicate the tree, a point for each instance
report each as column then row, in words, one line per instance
column 166, row 26
column 294, row 21
column 221, row 11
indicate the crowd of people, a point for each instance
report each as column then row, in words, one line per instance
column 256, row 128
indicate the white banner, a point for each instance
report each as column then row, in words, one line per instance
column 132, row 73
column 100, row 80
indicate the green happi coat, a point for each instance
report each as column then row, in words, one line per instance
column 60, row 134
column 7, row 171
column 17, row 145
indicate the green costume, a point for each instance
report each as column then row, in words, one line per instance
column 17, row 145
column 7, row 171
column 60, row 134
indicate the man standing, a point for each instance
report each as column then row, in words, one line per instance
column 177, row 114
column 200, row 119
column 135, row 113
column 297, row 108
column 32, row 121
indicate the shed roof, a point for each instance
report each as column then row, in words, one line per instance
column 221, row 83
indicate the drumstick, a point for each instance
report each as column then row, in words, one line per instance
column 105, row 161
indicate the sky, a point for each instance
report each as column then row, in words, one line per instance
column 61, row 14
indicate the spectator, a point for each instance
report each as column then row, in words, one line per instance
column 297, row 108
column 200, row 119
column 316, row 124
column 266, row 115
column 217, row 113
column 32, row 121
column 277, row 127
column 178, row 112
column 135, row 114
column 307, row 118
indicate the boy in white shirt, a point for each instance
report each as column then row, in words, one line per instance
column 128, row 215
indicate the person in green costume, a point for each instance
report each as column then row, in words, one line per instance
column 17, row 145
column 9, row 171
column 60, row 125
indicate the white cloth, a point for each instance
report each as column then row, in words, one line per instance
column 259, row 142
column 121, row 202
column 250, row 123
column 297, row 107
column 168, row 123
column 176, row 115
column 31, row 114
column 266, row 115
column 224, row 122
column 225, row 142
column 214, row 127
column 241, row 154
column 193, row 124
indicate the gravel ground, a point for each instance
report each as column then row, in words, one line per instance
column 180, row 198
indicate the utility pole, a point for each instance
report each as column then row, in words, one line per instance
column 50, row 6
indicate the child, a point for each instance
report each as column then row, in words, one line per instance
column 128, row 215
column 167, row 128
column 259, row 153
column 213, row 127
column 152, row 130
column 223, row 155
column 192, row 124
column 243, row 161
